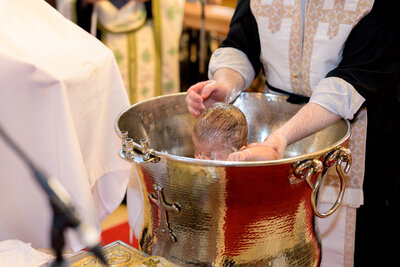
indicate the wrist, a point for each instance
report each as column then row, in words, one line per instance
column 278, row 141
column 231, row 81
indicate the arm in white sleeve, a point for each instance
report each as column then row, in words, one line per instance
column 337, row 96
column 232, row 58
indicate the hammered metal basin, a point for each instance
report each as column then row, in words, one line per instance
column 221, row 213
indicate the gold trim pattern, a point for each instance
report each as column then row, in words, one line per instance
column 300, row 53
column 355, row 177
column 132, row 66
column 338, row 15
column 335, row 17
column 276, row 12
column 156, row 7
column 117, row 254
column 350, row 231
column 154, row 261
column 295, row 56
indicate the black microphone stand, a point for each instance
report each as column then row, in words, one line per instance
column 64, row 214
column 60, row 223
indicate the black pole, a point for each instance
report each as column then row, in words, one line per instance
column 57, row 238
column 64, row 214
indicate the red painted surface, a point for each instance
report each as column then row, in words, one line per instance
column 118, row 232
column 257, row 195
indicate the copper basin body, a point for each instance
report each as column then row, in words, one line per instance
column 220, row 213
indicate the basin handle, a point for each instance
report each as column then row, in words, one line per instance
column 339, row 156
column 308, row 168
column 132, row 154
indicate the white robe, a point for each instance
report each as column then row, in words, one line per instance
column 60, row 93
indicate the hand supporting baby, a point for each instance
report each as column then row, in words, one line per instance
column 272, row 148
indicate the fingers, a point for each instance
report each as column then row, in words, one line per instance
column 194, row 100
column 214, row 92
column 208, row 88
column 197, row 96
column 195, row 112
column 253, row 145
column 244, row 155
column 237, row 156
column 257, row 152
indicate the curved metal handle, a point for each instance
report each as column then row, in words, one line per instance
column 308, row 168
column 129, row 153
column 339, row 156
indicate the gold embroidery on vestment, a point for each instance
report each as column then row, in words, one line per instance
column 300, row 56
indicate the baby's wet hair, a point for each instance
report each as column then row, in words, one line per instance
column 223, row 124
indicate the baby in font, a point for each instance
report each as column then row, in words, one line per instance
column 220, row 129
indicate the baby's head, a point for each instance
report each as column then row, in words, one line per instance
column 220, row 130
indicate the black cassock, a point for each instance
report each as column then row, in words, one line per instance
column 371, row 64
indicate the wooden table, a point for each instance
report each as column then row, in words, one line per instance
column 217, row 17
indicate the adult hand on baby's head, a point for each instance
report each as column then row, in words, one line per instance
column 204, row 94
column 272, row 148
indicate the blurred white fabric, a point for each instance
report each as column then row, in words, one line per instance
column 19, row 254
column 60, row 93
column 135, row 202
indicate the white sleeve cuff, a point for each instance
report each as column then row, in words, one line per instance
column 232, row 58
column 338, row 96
